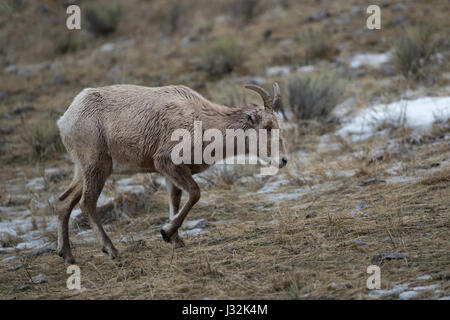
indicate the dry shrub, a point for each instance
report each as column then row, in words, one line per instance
column 43, row 138
column 221, row 58
column 413, row 50
column 103, row 20
column 8, row 240
column 317, row 45
column 314, row 96
column 174, row 18
column 70, row 42
column 245, row 10
column 440, row 176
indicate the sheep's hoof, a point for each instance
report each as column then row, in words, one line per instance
column 164, row 234
column 67, row 256
column 111, row 251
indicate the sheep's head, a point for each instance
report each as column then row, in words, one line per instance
column 267, row 117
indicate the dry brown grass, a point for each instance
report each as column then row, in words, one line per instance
column 256, row 245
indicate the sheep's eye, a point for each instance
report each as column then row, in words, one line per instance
column 250, row 118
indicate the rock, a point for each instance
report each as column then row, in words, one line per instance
column 132, row 202
column 33, row 69
column 318, row 16
column 15, row 267
column 390, row 239
column 58, row 176
column 199, row 223
column 286, row 43
column 60, row 79
column 40, row 278
column 41, row 251
column 19, row 111
column 380, row 258
column 312, row 214
column 127, row 203
column 106, row 213
column 10, row 69
column 42, row 8
column 2, row 95
column 267, row 34
column 6, row 130
column 359, row 243
column 368, row 182
column 400, row 19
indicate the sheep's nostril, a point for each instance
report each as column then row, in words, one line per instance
column 284, row 161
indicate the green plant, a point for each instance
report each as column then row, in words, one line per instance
column 103, row 20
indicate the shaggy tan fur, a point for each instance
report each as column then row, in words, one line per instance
column 127, row 129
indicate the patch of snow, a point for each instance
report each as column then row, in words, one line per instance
column 427, row 288
column 374, row 60
column 9, row 259
column 132, row 188
column 193, row 224
column 400, row 179
column 278, row 71
column 36, row 184
column 192, row 232
column 272, row 186
column 407, row 295
column 51, row 170
column 32, row 244
column 308, row 68
column 419, row 114
column 107, row 47
column 424, row 277
column 293, row 194
column 396, row 288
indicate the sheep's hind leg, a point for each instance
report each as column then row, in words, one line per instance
column 64, row 205
column 174, row 204
column 94, row 179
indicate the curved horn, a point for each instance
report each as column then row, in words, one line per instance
column 276, row 102
column 263, row 93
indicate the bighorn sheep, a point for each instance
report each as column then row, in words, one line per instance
column 127, row 129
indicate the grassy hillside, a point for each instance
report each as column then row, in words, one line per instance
column 309, row 232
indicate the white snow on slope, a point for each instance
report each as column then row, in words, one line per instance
column 419, row 114
column 374, row 60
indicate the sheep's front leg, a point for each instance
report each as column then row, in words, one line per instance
column 174, row 206
column 181, row 177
